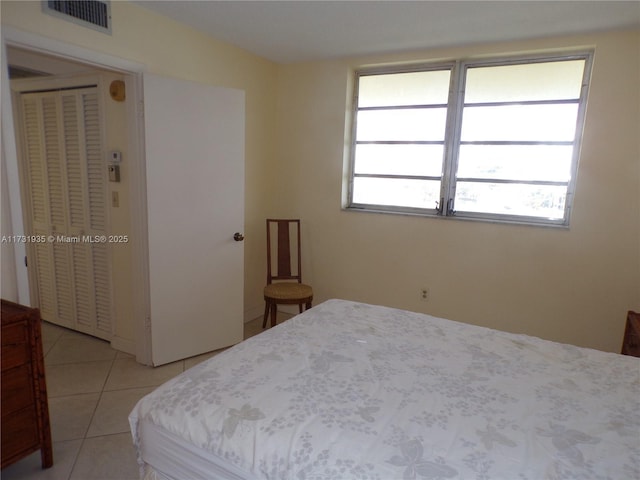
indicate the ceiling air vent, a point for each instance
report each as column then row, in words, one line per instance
column 90, row 13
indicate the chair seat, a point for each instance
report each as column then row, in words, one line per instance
column 288, row 292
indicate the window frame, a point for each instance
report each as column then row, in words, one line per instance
column 455, row 107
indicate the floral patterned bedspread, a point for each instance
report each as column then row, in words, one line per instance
column 354, row 391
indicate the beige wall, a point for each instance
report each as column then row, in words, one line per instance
column 169, row 48
column 570, row 285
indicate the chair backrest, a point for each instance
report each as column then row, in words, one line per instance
column 283, row 250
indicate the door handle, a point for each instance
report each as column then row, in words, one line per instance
column 238, row 237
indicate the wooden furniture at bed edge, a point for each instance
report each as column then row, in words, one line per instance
column 631, row 342
column 25, row 410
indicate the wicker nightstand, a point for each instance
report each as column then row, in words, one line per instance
column 25, row 412
column 631, row 342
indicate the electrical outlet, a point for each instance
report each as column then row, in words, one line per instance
column 424, row 293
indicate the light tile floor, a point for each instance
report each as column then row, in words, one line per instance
column 92, row 388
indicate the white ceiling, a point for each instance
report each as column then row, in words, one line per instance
column 303, row 30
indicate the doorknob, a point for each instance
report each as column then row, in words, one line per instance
column 238, row 237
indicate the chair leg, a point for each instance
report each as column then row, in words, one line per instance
column 307, row 306
column 274, row 313
column 266, row 314
column 300, row 307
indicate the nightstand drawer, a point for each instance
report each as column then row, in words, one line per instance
column 25, row 410
column 19, row 433
column 15, row 345
column 17, row 389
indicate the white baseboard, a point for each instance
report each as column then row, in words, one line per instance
column 290, row 309
column 124, row 345
column 255, row 312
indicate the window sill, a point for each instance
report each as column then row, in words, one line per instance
column 503, row 220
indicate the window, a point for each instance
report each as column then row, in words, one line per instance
column 495, row 140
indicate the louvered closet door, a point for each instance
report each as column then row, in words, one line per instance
column 65, row 174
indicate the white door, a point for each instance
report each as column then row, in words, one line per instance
column 194, row 148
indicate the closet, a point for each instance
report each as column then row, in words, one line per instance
column 64, row 174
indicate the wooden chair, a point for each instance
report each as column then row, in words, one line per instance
column 284, row 269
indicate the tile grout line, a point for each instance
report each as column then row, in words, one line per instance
column 77, row 454
column 84, row 436
column 75, row 460
column 93, row 414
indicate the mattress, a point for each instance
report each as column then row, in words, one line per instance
column 354, row 391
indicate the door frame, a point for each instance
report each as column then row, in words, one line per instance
column 133, row 71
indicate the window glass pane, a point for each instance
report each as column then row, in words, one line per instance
column 512, row 149
column 414, row 88
column 511, row 199
column 425, row 160
column 516, row 162
column 405, row 124
column 520, row 123
column 531, row 81
column 396, row 192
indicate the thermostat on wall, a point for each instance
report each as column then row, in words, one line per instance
column 115, row 156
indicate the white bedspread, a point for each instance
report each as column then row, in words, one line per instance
column 354, row 391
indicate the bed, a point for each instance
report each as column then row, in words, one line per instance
column 354, row 391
